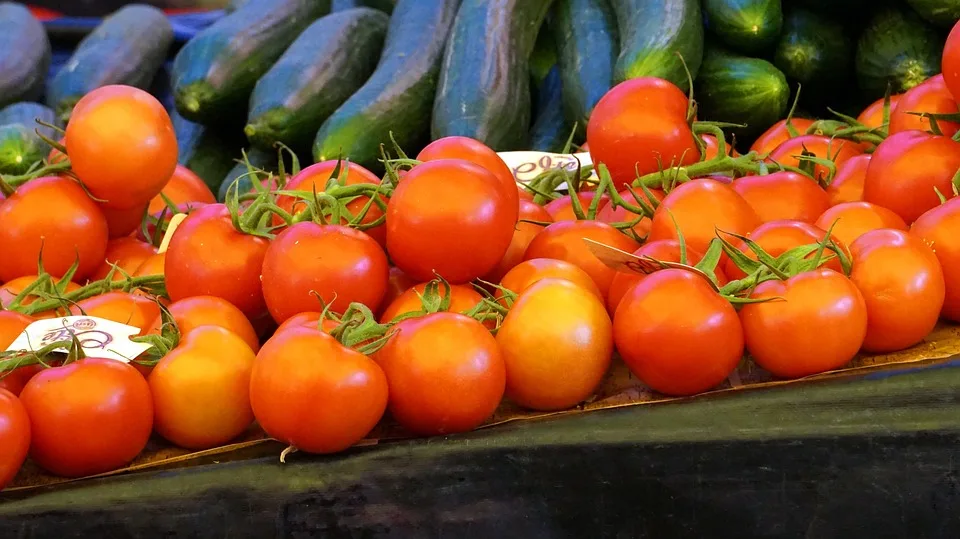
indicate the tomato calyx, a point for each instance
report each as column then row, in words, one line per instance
column 51, row 295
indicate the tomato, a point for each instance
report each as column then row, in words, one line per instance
column 639, row 127
column 818, row 326
column 295, row 279
column 122, row 222
column 121, row 307
column 778, row 237
column 565, row 241
column 930, row 96
column 152, row 265
column 208, row 256
column 712, row 148
column 664, row 250
column 162, row 218
column 618, row 214
column 822, row 146
column 55, row 155
column 561, row 209
column 906, row 171
column 121, row 145
column 126, row 253
column 445, row 372
column 557, row 345
column 847, row 184
column 310, row 320
column 87, row 417
column 951, row 62
column 522, row 236
column 462, row 298
column 534, row 270
column 184, row 186
column 938, row 229
column 676, row 334
column 12, row 325
column 201, row 389
column 778, row 133
column 315, row 178
column 477, row 153
column 783, row 195
column 11, row 289
column 52, row 215
column 398, row 282
column 449, row 217
column 14, row 436
column 315, row 394
column 872, row 116
column 851, row 220
column 198, row 311
column 903, row 286
column 699, row 209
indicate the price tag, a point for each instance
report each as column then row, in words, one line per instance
column 630, row 263
column 528, row 165
column 98, row 337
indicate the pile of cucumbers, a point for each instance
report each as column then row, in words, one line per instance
column 332, row 78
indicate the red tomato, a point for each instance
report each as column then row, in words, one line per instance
column 618, row 214
column 163, row 218
column 198, row 311
column 122, row 222
column 14, row 436
column 449, row 217
column 462, row 298
column 847, row 185
column 564, row 241
column 951, row 62
column 640, row 126
column 315, row 394
column 938, row 229
column 309, row 320
column 126, row 253
column 121, row 307
column 12, row 325
column 819, row 326
column 121, row 145
column 783, row 195
column 201, row 389
column 778, row 133
column 700, row 208
column 778, row 237
column 52, row 215
column 561, row 209
column 87, row 417
column 445, row 372
column 478, row 153
column 851, row 220
column 534, row 270
column 902, row 283
column 872, row 116
column 398, row 282
column 184, row 186
column 822, row 146
column 561, row 363
column 713, row 148
column 930, row 96
column 522, row 236
column 906, row 171
column 676, row 334
column 208, row 256
column 11, row 289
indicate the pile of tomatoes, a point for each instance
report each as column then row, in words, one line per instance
column 320, row 301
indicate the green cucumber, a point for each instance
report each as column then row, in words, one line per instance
column 398, row 97
column 896, row 48
column 942, row 13
column 814, row 51
column 128, row 47
column 27, row 113
column 385, row 6
column 484, row 89
column 215, row 72
column 544, row 55
column 330, row 60
column 585, row 32
column 20, row 144
column 742, row 90
column 205, row 151
column 26, row 55
column 652, row 32
column 550, row 129
column 744, row 26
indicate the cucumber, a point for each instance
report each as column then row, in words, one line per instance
column 399, row 96
column 26, row 55
column 258, row 158
column 27, row 113
column 544, row 55
column 585, row 32
column 128, row 47
column 20, row 145
column 816, row 52
column 942, row 13
column 550, row 129
column 215, row 72
column 330, row 60
column 743, row 90
column 385, row 6
column 896, row 48
column 652, row 32
column 206, row 152
column 744, row 26
column 484, row 89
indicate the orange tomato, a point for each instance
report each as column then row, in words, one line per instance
column 847, row 185
column 821, row 146
column 462, row 298
column 778, row 133
column 713, row 148
column 184, row 186
column 530, row 272
column 11, row 289
column 938, row 230
column 199, row 311
column 778, row 237
column 12, row 325
column 783, row 195
column 851, row 220
column 872, row 116
column 930, row 96
column 522, row 236
column 122, row 222
column 618, row 214
column 127, row 254
column 561, row 209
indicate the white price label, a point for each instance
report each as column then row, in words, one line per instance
column 528, row 165
column 97, row 337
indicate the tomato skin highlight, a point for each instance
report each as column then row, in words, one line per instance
column 847, row 184
column 783, row 195
column 14, row 436
column 311, row 392
column 930, row 96
column 850, row 220
column 818, row 327
column 778, row 133
column 445, row 372
column 938, row 229
column 88, row 417
column 902, row 283
column 677, row 334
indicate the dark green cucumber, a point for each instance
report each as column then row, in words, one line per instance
column 205, row 151
column 899, row 49
column 215, row 72
column 814, row 51
column 652, row 32
column 743, row 90
column 264, row 160
column 385, row 6
column 27, row 113
column 398, row 97
column 550, row 129
column 585, row 32
column 744, row 26
column 128, row 47
column 484, row 89
column 942, row 13
column 544, row 55
column 25, row 56
column 330, row 61
column 20, row 145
